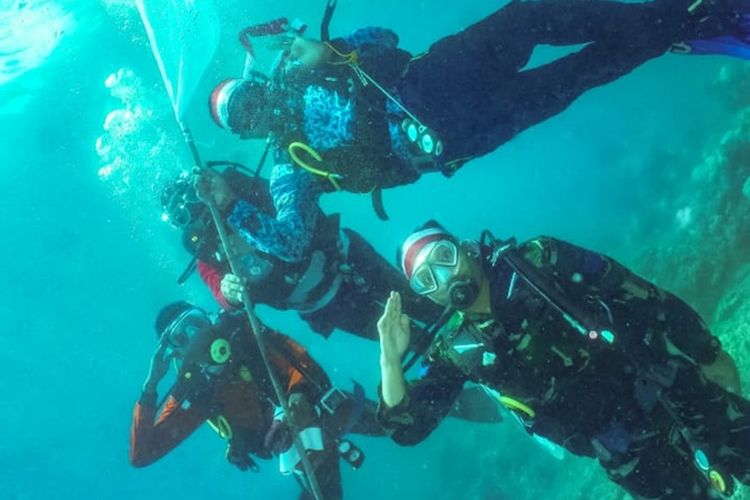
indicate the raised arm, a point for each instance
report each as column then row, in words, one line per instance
column 286, row 234
column 152, row 436
column 410, row 411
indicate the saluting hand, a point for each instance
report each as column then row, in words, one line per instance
column 394, row 328
column 159, row 366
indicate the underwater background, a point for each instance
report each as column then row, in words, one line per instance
column 652, row 169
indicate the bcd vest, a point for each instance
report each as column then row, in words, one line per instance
column 367, row 161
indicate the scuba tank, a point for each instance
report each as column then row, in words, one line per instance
column 599, row 329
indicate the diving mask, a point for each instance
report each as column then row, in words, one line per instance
column 179, row 201
column 185, row 328
column 435, row 265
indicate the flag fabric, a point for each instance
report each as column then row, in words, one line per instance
column 183, row 35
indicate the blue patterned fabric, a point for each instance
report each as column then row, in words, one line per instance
column 328, row 118
column 372, row 41
column 288, row 236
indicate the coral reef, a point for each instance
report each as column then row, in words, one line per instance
column 702, row 253
column 700, row 250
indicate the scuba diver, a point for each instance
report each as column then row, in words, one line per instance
column 221, row 380
column 339, row 281
column 588, row 356
column 341, row 275
column 361, row 114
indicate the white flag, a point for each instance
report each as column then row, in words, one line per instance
column 183, row 36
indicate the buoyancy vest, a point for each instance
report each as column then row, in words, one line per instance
column 527, row 350
column 304, row 286
column 347, row 123
column 233, row 386
column 609, row 382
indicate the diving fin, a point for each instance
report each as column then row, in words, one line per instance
column 724, row 45
column 735, row 44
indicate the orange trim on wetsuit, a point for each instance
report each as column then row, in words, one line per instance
column 153, row 435
column 295, row 381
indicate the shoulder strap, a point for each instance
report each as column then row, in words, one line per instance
column 507, row 252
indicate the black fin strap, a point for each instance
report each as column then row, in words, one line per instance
column 325, row 34
column 377, row 204
column 189, row 270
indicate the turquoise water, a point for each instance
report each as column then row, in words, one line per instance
column 88, row 261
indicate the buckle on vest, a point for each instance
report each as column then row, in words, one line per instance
column 333, row 399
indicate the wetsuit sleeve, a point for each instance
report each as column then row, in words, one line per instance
column 152, row 436
column 633, row 299
column 427, row 401
column 212, row 277
column 288, row 235
column 372, row 40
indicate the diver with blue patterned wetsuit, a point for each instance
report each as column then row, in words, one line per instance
column 337, row 281
column 376, row 117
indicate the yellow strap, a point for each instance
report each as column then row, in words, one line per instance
column 513, row 404
column 508, row 403
column 350, row 58
column 293, row 147
column 221, row 425
column 717, row 481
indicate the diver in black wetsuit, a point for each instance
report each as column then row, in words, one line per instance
column 463, row 98
column 590, row 357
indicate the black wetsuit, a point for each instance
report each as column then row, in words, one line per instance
column 472, row 89
column 625, row 402
column 369, row 278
